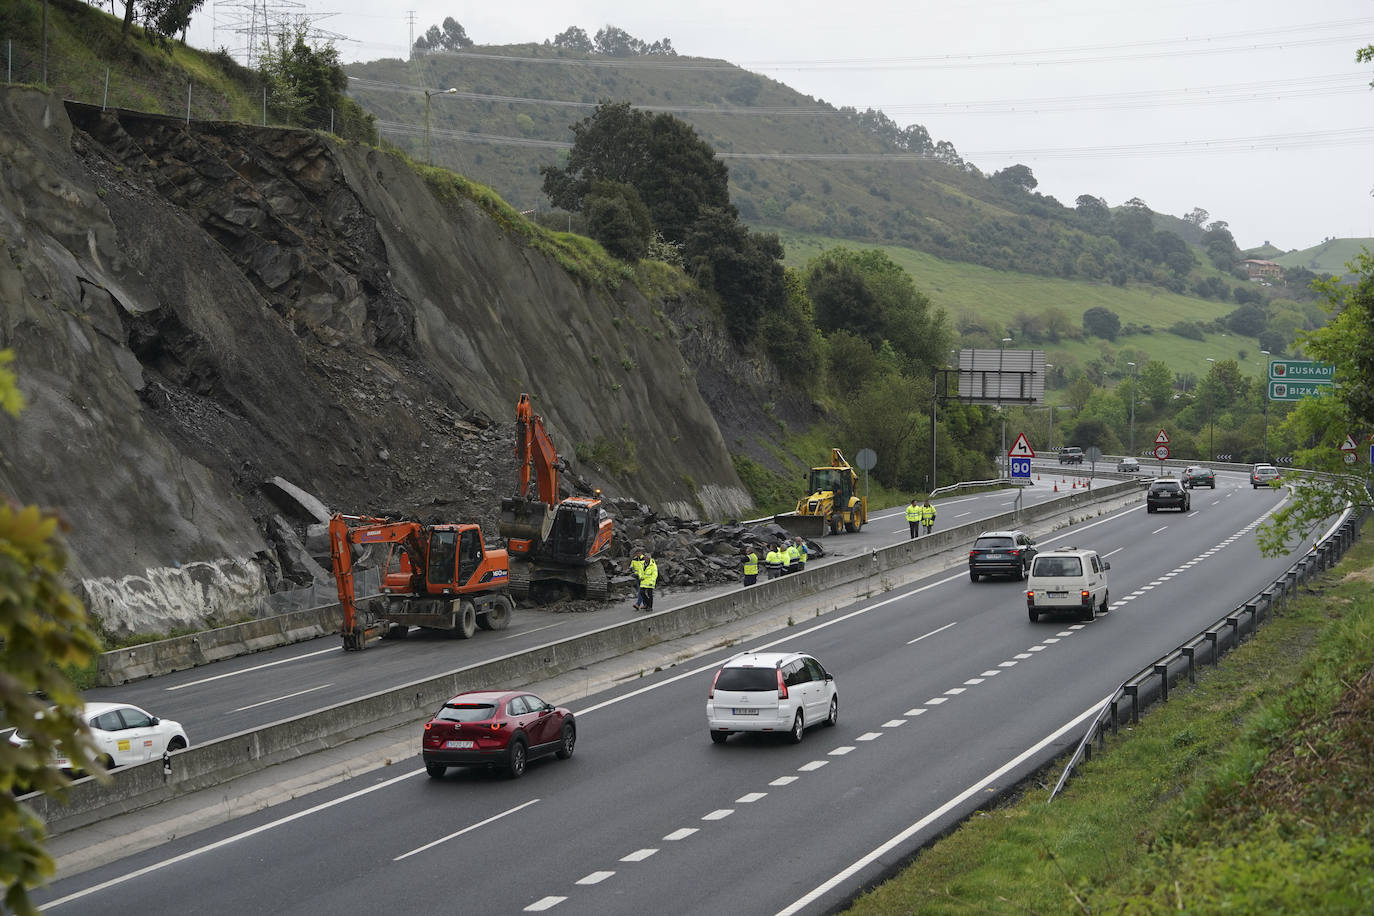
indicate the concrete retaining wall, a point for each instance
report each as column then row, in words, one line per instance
column 235, row 755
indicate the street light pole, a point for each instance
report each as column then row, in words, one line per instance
column 1211, row 405
column 430, row 93
column 1002, row 459
column 1132, row 365
column 1264, row 381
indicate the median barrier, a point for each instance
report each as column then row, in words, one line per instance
column 219, row 761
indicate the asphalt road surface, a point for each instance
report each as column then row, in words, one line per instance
column 948, row 695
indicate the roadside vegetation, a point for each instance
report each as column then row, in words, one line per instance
column 1249, row 793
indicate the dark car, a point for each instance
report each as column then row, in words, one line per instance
column 503, row 730
column 1000, row 553
column 1167, row 493
column 1198, row 476
column 1071, row 455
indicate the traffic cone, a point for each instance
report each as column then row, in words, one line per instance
column 1056, row 488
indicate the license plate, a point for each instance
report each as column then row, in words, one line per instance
column 458, row 745
column 745, row 712
column 1056, row 594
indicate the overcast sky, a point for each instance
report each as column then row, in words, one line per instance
column 1253, row 110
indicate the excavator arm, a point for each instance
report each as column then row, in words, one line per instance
column 347, row 530
column 527, row 518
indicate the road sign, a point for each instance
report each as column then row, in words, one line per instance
column 1348, row 457
column 1020, row 448
column 1162, row 438
column 1161, row 452
column 1020, row 469
column 866, row 459
column 1296, row 391
column 1301, row 370
column 1349, row 445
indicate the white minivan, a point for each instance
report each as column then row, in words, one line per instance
column 1067, row 580
column 782, row 692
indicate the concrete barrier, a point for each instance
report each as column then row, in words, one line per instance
column 222, row 760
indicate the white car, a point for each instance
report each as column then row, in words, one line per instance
column 1067, row 580
column 122, row 734
column 781, row 692
column 1128, row 466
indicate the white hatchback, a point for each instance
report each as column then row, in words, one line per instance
column 771, row 692
column 122, row 734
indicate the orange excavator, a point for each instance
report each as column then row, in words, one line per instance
column 551, row 540
column 440, row 577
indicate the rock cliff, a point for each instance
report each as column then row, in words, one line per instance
column 198, row 309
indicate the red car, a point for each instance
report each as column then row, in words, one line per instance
column 499, row 729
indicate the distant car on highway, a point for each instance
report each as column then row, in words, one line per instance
column 1263, row 475
column 1071, row 455
column 1167, row 493
column 1000, row 553
column 783, row 692
column 1128, row 466
column 501, row 730
column 123, row 734
column 1195, row 475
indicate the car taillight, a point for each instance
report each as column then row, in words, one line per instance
column 1016, row 552
column 782, row 688
column 710, row 694
column 1087, row 596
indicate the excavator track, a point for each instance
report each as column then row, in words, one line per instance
column 598, row 583
column 518, row 579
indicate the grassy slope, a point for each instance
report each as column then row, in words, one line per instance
column 968, row 289
column 1327, row 258
column 1249, row 793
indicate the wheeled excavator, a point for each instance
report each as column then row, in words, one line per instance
column 551, row 540
column 833, row 504
column 439, row 577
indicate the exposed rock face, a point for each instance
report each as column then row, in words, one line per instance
column 197, row 312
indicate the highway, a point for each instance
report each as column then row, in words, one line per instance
column 251, row 691
column 948, row 695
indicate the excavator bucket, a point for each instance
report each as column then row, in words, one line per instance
column 526, row 519
column 807, row 526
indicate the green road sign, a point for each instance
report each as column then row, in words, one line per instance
column 1296, row 391
column 1300, row 370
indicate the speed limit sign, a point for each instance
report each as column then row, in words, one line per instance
column 1161, row 452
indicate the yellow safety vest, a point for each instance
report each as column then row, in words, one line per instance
column 751, row 564
column 648, row 576
column 913, row 514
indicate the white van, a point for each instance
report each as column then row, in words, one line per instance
column 1067, row 580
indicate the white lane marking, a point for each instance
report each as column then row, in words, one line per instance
column 813, row 765
column 1008, row 664
column 841, row 751
column 973, row 682
column 869, row 736
column 191, row 854
column 1051, row 640
column 681, row 833
column 1158, row 530
column 962, row 514
column 286, row 697
column 467, row 829
column 936, row 701
column 751, row 797
column 955, row 691
column 1118, row 550
column 280, row 661
column 639, row 855
column 932, row 632
column 1064, row 633
column 1021, row 656
column 719, row 814
column 547, row 626
column 939, row 812
column 913, row 713
column 990, row 673
column 894, row 723
column 1035, row 649
column 595, row 877
column 544, row 903
column 783, row 781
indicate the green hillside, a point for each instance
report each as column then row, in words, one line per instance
column 1330, row 257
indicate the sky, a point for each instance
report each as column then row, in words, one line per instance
column 1252, row 110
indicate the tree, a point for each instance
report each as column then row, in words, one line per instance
column 306, row 82
column 454, row 36
column 169, row 18
column 1015, row 178
column 1101, row 322
column 790, row 337
column 618, row 219
column 1197, row 216
column 42, row 628
column 743, row 268
column 574, row 39
column 1157, row 384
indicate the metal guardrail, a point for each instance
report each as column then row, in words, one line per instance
column 1226, row 634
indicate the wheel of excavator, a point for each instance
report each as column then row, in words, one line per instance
column 396, row 631
column 497, row 615
column 465, row 623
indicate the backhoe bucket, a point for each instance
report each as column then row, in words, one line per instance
column 526, row 518
column 808, row 526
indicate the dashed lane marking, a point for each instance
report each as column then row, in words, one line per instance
column 813, row 765
column 595, row 877
column 681, row 833
column 719, row 814
column 544, row 903
column 639, row 855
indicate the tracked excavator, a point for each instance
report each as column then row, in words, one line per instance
column 833, row 505
column 551, row 540
column 439, row 577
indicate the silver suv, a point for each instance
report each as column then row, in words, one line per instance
column 771, row 692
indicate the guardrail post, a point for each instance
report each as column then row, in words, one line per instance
column 1163, row 672
column 1211, row 637
column 1115, row 715
column 1252, row 608
column 1133, row 691
column 1188, row 654
column 1233, row 621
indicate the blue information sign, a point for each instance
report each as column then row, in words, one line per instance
column 1020, row 470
